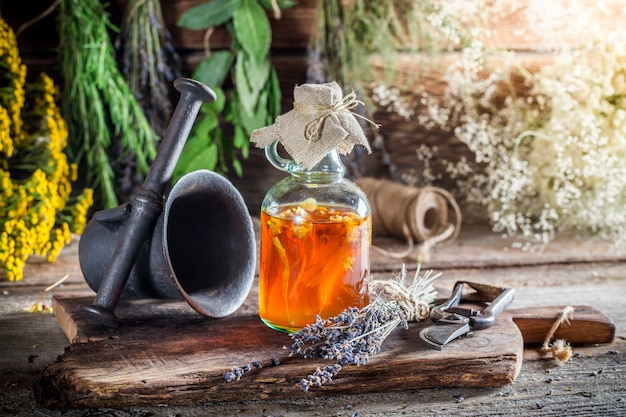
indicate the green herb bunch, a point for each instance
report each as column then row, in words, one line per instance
column 254, row 99
column 106, row 124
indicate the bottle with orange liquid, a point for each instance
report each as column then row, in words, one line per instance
column 315, row 244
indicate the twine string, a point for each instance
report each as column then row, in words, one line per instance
column 313, row 129
column 419, row 215
column 559, row 349
column 412, row 307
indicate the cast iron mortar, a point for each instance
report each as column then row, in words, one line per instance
column 201, row 247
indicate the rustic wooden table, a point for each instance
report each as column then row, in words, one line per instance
column 567, row 272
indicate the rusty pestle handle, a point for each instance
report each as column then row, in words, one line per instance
column 147, row 204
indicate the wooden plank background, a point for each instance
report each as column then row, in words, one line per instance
column 293, row 32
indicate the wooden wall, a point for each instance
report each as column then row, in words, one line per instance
column 291, row 35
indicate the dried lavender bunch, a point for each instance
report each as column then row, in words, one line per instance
column 150, row 64
column 354, row 335
column 148, row 60
column 351, row 337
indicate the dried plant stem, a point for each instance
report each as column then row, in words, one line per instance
column 97, row 103
column 37, row 18
column 57, row 283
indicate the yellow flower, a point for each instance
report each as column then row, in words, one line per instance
column 6, row 143
column 40, row 307
column 347, row 263
column 301, row 230
column 274, row 226
column 37, row 212
column 79, row 212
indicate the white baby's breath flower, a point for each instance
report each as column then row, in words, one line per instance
column 553, row 160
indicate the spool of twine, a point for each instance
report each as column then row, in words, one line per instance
column 416, row 214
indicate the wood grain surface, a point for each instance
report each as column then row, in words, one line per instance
column 591, row 384
column 173, row 359
column 166, row 353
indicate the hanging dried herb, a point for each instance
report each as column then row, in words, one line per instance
column 148, row 60
column 150, row 65
column 353, row 32
column 97, row 103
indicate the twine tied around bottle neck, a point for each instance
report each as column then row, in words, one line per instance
column 322, row 120
column 321, row 112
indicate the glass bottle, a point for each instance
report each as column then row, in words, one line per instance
column 315, row 244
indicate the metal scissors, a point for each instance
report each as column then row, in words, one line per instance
column 452, row 321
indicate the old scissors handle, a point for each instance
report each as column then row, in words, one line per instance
column 452, row 321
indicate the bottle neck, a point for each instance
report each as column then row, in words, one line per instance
column 329, row 169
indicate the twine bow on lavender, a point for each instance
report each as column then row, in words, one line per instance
column 313, row 129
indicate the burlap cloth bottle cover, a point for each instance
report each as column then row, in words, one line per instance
column 321, row 120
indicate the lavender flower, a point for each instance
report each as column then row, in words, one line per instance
column 354, row 335
column 236, row 373
column 319, row 377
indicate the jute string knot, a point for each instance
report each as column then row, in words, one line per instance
column 412, row 307
column 416, row 214
column 559, row 349
column 321, row 120
column 313, row 129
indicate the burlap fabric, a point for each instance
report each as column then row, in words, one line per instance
column 321, row 120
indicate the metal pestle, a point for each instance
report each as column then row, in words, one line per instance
column 147, row 204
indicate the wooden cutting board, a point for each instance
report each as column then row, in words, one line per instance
column 165, row 353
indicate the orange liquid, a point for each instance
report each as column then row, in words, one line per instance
column 312, row 262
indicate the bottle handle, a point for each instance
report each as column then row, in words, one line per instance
column 277, row 161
